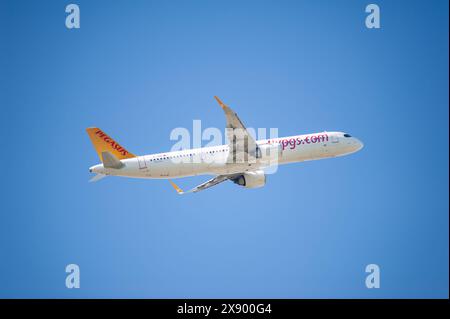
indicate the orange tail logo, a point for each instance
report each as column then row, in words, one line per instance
column 102, row 142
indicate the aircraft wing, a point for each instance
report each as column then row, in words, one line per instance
column 212, row 182
column 242, row 145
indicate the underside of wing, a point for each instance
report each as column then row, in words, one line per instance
column 212, row 182
column 242, row 145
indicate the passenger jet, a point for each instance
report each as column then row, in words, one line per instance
column 243, row 160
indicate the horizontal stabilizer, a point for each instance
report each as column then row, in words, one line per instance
column 110, row 161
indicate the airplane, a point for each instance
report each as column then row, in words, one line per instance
column 243, row 160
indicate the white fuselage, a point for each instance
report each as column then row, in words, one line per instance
column 215, row 160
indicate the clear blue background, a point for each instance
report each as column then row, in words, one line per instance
column 139, row 69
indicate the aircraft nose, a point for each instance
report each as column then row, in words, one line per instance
column 359, row 144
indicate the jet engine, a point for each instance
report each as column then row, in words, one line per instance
column 251, row 179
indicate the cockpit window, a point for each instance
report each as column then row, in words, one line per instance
column 347, row 135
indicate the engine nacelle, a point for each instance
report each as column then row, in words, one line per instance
column 269, row 153
column 251, row 179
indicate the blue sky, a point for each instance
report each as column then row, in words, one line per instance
column 139, row 70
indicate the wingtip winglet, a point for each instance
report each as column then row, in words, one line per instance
column 219, row 101
column 179, row 190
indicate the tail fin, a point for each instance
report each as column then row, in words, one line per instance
column 103, row 143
